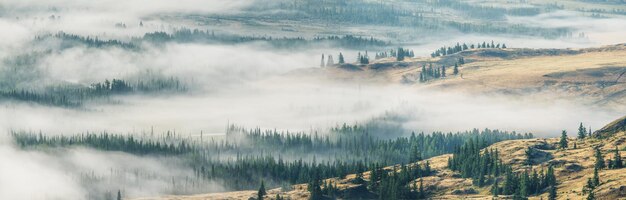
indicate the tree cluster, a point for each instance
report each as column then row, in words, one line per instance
column 462, row 47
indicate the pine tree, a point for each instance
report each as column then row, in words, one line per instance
column 591, row 196
column 529, row 156
column 341, row 60
column 455, row 71
column 261, row 191
column 617, row 160
column 582, row 132
column 400, row 56
column 314, row 189
column 495, row 190
column 599, row 159
column 563, row 142
column 596, row 177
column 422, row 193
column 524, row 183
column 415, row 154
column 552, row 193
column 589, row 187
column 119, row 195
column 330, row 62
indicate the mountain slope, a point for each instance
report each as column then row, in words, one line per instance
column 573, row 166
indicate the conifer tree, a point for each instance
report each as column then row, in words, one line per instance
column 400, row 56
column 422, row 193
column 529, row 156
column 617, row 160
column 330, row 62
column 599, row 159
column 455, row 71
column 261, row 191
column 582, row 132
column 322, row 63
column 563, row 141
column 591, row 196
column 341, row 60
column 552, row 193
column 589, row 187
column 596, row 177
column 119, row 195
column 495, row 190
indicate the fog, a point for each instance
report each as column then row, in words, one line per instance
column 250, row 85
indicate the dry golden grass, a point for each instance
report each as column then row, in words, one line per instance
column 578, row 74
column 494, row 74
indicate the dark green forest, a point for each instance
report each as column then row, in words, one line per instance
column 242, row 158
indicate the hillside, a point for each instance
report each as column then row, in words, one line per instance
column 594, row 76
column 572, row 166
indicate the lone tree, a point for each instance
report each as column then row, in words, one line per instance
column 341, row 61
column 563, row 142
column 119, row 195
column 617, row 161
column 582, row 131
column 599, row 159
column 261, row 192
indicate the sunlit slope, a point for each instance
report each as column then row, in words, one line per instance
column 593, row 75
column 573, row 166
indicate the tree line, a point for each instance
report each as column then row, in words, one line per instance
column 462, row 47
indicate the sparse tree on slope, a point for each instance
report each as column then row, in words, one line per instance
column 591, row 196
column 552, row 193
column 617, row 162
column 455, row 71
column 563, row 142
column 596, row 177
column 261, row 191
column 341, row 60
column 582, row 131
column 599, row 159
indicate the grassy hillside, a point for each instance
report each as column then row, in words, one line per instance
column 572, row 167
column 595, row 76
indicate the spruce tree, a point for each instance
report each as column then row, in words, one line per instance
column 455, row 71
column 552, row 193
column 422, row 193
column 341, row 60
column 582, row 132
column 119, row 195
column 589, row 187
column 617, row 160
column 591, row 196
column 596, row 177
column 529, row 156
column 495, row 189
column 261, row 191
column 563, row 141
column 599, row 159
